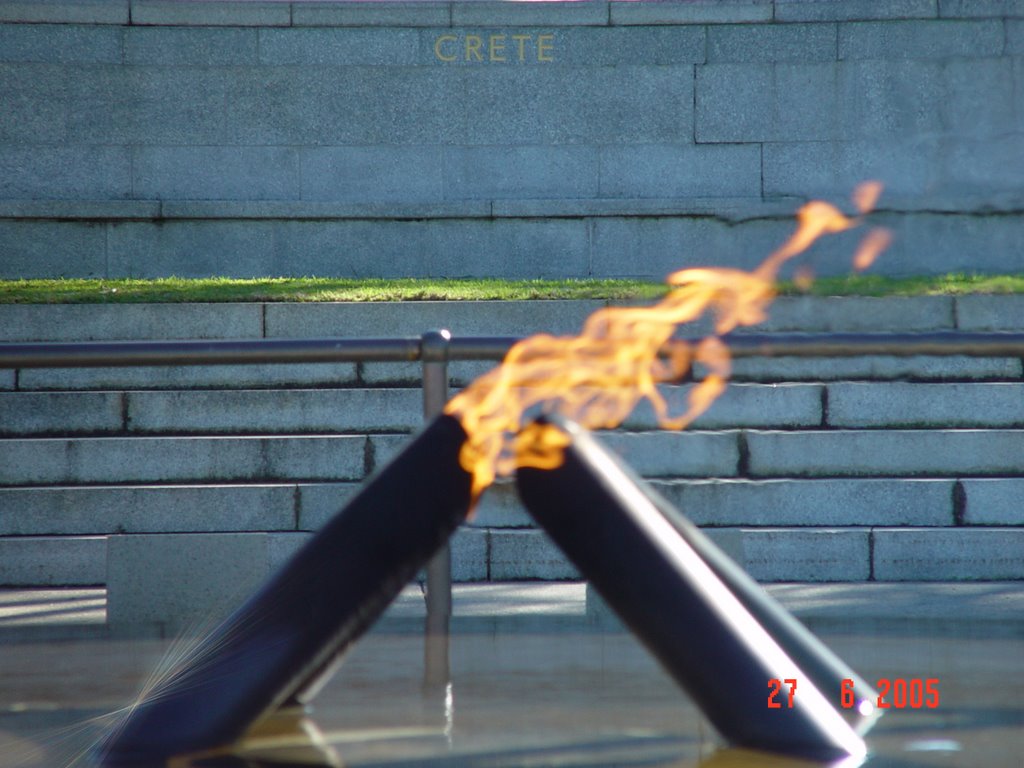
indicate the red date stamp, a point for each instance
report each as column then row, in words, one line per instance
column 898, row 693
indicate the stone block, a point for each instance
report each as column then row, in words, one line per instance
column 110, row 210
column 339, row 46
column 852, row 10
column 920, row 39
column 909, row 167
column 65, row 11
column 319, row 502
column 84, row 322
column 771, row 42
column 372, row 174
column 1015, row 37
column 462, row 318
column 49, row 461
column 470, row 550
column 60, row 44
column 292, row 411
column 500, row 507
column 190, row 46
column 768, row 102
column 938, row 244
column 527, row 555
column 858, row 314
column 383, row 448
column 37, row 413
column 520, row 172
column 488, row 13
column 35, row 108
column 802, row 554
column 692, row 12
column 978, row 104
column 537, row 249
column 681, row 171
column 183, row 580
column 990, row 313
column 677, row 454
column 211, row 13
column 888, row 453
column 46, row 561
column 65, row 172
column 651, row 248
column 117, row 105
column 747, row 405
column 570, row 105
column 949, row 9
column 195, row 376
column 928, row 554
column 320, row 209
column 8, row 379
column 918, row 405
column 216, row 173
column 875, row 368
column 828, row 503
column 63, row 511
column 363, row 14
column 993, row 502
column 888, row 99
column 50, row 249
column 242, row 249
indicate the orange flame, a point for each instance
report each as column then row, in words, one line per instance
column 623, row 353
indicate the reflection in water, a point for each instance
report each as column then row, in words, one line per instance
column 555, row 693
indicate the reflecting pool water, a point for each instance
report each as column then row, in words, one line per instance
column 556, row 690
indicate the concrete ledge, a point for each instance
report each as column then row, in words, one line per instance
column 64, row 413
column 93, row 322
column 800, row 554
column 813, row 502
column 189, row 579
column 49, row 461
column 692, row 12
column 65, row 11
column 362, row 14
column 76, row 511
column 889, row 453
column 853, row 10
column 748, row 405
column 52, row 560
column 993, row 502
column 926, row 405
column 530, row 554
column 916, row 554
column 876, row 368
column 211, row 13
column 677, row 454
column 187, row 377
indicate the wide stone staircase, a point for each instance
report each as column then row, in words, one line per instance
column 854, row 469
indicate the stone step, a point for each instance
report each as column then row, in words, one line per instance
column 822, row 554
column 362, row 410
column 101, row 510
column 756, row 454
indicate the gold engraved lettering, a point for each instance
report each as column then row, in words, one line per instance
column 497, row 45
column 473, row 45
column 521, row 45
column 441, row 41
column 494, row 48
column 545, row 45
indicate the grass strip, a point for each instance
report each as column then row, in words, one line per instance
column 314, row 289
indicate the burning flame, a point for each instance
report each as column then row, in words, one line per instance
column 623, row 353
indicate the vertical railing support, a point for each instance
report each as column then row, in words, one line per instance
column 434, row 357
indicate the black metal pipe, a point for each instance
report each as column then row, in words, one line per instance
column 817, row 661
column 287, row 637
column 679, row 607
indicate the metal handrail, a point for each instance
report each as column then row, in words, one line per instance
column 410, row 349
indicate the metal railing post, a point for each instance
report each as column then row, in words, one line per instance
column 434, row 358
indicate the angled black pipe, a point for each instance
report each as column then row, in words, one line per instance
column 286, row 638
column 664, row 589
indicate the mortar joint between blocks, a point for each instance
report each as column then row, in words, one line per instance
column 959, row 504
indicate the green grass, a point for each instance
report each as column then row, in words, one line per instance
column 330, row 289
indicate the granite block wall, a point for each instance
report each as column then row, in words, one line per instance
column 145, row 138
